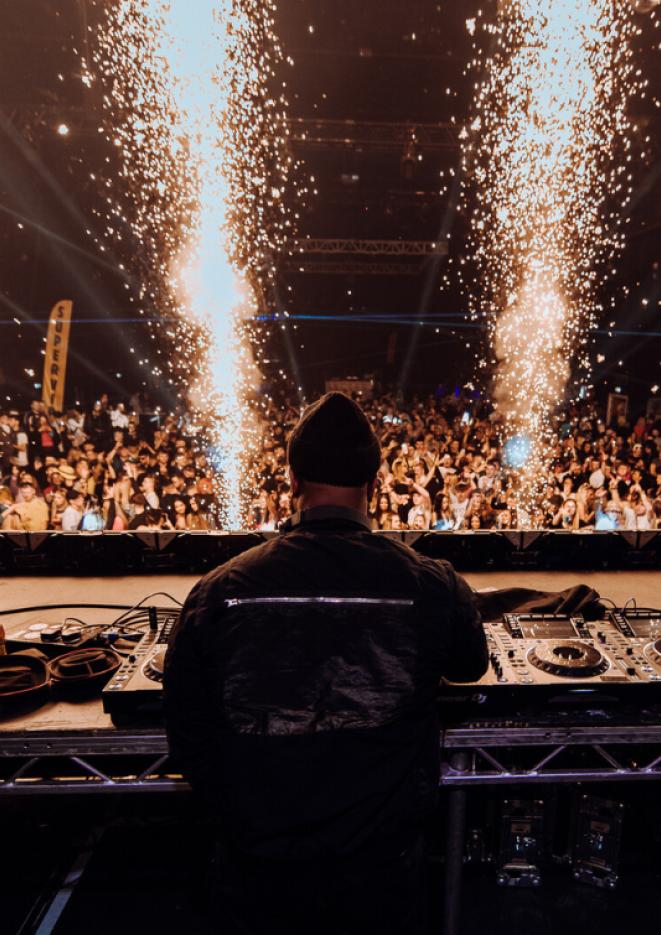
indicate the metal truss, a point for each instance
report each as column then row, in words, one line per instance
column 505, row 753
column 332, row 134
column 111, row 761
column 352, row 268
column 304, row 132
column 371, row 247
column 496, row 756
column 87, row 762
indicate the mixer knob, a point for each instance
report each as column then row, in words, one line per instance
column 510, row 654
column 629, row 650
column 631, row 671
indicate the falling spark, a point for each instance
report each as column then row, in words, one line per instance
column 549, row 160
column 202, row 139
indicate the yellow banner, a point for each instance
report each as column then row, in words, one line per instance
column 57, row 348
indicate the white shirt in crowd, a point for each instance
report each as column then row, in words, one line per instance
column 119, row 418
column 152, row 499
column 22, row 449
column 597, row 479
column 71, row 519
column 413, row 514
column 459, row 510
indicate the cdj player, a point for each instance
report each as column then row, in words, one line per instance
column 535, row 656
column 532, row 658
column 136, row 688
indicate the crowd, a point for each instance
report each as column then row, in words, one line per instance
column 104, row 469
column 442, row 469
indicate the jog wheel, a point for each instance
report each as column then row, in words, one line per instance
column 84, row 667
column 653, row 653
column 568, row 659
column 154, row 666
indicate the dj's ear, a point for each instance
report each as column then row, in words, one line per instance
column 294, row 483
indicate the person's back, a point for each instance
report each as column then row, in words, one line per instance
column 301, row 699
column 326, row 635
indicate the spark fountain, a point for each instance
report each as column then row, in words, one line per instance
column 549, row 160
column 202, row 140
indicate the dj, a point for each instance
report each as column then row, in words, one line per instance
column 301, row 699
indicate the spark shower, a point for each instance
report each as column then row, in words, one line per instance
column 191, row 105
column 548, row 158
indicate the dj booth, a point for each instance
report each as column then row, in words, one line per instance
column 566, row 699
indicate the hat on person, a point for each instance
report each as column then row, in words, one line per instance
column 67, row 472
column 334, row 444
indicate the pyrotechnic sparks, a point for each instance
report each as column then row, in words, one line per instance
column 204, row 169
column 550, row 161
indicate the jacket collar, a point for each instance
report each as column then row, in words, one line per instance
column 326, row 514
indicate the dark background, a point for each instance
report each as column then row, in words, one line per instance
column 393, row 69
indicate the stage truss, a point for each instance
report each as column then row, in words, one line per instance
column 138, row 761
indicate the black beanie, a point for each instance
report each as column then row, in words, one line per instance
column 334, row 444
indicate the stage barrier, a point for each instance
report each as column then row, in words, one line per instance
column 112, row 553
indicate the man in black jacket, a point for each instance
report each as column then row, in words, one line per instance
column 301, row 700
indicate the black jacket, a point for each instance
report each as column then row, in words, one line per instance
column 301, row 685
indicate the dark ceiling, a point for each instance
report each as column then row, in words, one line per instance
column 377, row 94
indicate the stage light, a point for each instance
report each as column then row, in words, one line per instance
column 63, row 129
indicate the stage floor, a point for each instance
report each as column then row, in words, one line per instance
column 618, row 586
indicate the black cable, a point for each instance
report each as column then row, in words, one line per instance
column 131, row 624
column 98, row 626
column 140, row 603
column 83, row 625
column 87, row 606
column 137, row 621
